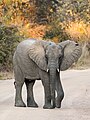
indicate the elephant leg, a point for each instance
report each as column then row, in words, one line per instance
column 47, row 104
column 30, row 98
column 18, row 97
column 46, row 85
column 19, row 81
column 60, row 92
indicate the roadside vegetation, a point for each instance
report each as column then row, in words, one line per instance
column 57, row 20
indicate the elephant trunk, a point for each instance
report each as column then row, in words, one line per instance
column 52, row 71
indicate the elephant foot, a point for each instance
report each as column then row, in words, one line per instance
column 48, row 106
column 29, row 104
column 20, row 104
column 58, row 104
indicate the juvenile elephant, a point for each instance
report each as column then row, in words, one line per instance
column 34, row 60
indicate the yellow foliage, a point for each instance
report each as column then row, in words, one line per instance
column 25, row 0
column 8, row 2
column 78, row 30
column 88, row 32
column 16, row 15
column 37, row 31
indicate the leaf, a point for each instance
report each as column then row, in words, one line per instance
column 8, row 2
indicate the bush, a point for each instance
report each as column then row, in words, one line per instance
column 56, row 32
column 9, row 38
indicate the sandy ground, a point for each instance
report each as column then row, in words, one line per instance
column 75, row 106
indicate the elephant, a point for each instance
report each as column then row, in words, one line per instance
column 43, row 60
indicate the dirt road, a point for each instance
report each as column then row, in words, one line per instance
column 75, row 106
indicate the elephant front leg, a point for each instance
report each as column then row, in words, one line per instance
column 47, row 92
column 18, row 97
column 30, row 98
column 60, row 92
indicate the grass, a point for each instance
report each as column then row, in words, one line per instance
column 83, row 63
column 6, row 75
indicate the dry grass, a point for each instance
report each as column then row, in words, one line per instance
column 82, row 64
column 6, row 75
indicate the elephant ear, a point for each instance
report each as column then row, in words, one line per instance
column 37, row 54
column 72, row 52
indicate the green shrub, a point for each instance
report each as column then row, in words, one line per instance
column 56, row 31
column 9, row 38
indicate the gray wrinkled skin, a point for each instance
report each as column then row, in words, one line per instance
column 34, row 60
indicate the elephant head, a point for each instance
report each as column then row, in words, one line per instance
column 52, row 58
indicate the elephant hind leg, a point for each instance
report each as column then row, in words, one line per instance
column 19, row 81
column 18, row 98
column 30, row 98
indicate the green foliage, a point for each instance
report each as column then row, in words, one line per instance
column 8, row 41
column 45, row 10
column 74, row 9
column 56, row 33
